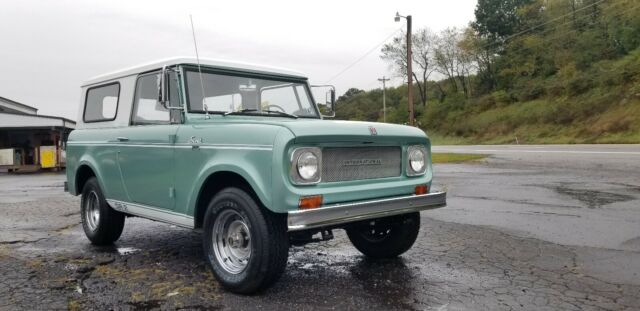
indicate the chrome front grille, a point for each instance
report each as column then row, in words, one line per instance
column 355, row 163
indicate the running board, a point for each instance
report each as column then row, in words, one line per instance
column 152, row 213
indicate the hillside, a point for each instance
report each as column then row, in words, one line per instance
column 568, row 72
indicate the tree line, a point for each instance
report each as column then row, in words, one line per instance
column 566, row 60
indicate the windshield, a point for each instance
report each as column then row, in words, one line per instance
column 224, row 93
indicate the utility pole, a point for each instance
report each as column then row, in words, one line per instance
column 410, row 71
column 384, row 98
column 409, row 66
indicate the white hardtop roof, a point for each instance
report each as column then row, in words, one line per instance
column 205, row 62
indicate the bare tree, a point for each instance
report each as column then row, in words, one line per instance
column 479, row 57
column 454, row 60
column 446, row 55
column 450, row 53
column 423, row 43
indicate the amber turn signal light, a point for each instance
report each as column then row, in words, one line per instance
column 422, row 189
column 310, row 202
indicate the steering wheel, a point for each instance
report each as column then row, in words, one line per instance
column 275, row 106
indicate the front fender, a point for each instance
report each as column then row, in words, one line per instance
column 257, row 176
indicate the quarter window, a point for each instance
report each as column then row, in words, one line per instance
column 101, row 103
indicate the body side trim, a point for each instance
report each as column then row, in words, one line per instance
column 169, row 145
column 152, row 213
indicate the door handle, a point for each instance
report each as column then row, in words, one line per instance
column 122, row 139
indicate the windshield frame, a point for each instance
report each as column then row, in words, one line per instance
column 246, row 74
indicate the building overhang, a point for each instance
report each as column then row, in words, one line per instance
column 20, row 121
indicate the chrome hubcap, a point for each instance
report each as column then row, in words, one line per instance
column 231, row 241
column 92, row 210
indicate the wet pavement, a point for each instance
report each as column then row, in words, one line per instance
column 523, row 231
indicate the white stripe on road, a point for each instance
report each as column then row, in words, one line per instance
column 538, row 151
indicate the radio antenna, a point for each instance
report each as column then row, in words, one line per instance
column 195, row 44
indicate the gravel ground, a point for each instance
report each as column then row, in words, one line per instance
column 466, row 262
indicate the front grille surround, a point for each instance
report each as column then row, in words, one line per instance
column 360, row 163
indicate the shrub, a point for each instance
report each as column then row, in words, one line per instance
column 502, row 98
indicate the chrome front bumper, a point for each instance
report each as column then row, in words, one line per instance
column 331, row 215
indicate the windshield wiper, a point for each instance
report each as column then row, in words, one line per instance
column 284, row 114
column 239, row 111
column 256, row 111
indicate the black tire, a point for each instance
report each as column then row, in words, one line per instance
column 108, row 227
column 267, row 241
column 387, row 237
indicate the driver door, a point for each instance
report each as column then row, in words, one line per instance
column 146, row 148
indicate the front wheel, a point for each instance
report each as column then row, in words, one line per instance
column 245, row 245
column 386, row 237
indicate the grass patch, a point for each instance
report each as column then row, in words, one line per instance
column 437, row 139
column 74, row 305
column 456, row 157
column 604, row 110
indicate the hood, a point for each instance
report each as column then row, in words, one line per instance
column 312, row 131
column 321, row 131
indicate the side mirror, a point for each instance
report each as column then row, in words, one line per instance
column 332, row 101
column 163, row 90
column 328, row 109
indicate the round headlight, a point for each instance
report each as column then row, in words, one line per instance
column 307, row 165
column 416, row 160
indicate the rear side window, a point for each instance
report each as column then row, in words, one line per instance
column 101, row 103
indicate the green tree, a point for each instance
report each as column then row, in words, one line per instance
column 348, row 94
column 498, row 19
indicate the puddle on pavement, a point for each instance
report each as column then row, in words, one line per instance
column 592, row 198
column 127, row 250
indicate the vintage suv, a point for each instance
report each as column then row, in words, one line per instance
column 242, row 153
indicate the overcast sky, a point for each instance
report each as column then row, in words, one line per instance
column 48, row 48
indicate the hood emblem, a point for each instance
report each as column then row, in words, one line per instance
column 373, row 131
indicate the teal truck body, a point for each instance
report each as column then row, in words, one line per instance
column 160, row 141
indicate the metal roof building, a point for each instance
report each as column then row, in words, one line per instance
column 29, row 141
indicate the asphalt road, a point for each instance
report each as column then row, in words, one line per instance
column 528, row 228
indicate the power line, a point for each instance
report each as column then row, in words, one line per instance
column 364, row 55
column 553, row 20
column 483, row 47
column 563, row 34
column 577, row 19
column 540, row 25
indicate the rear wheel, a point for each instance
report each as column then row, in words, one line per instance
column 385, row 237
column 102, row 224
column 245, row 245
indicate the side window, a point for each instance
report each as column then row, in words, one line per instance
column 146, row 107
column 101, row 103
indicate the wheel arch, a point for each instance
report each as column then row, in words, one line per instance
column 217, row 181
column 83, row 173
column 85, row 170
